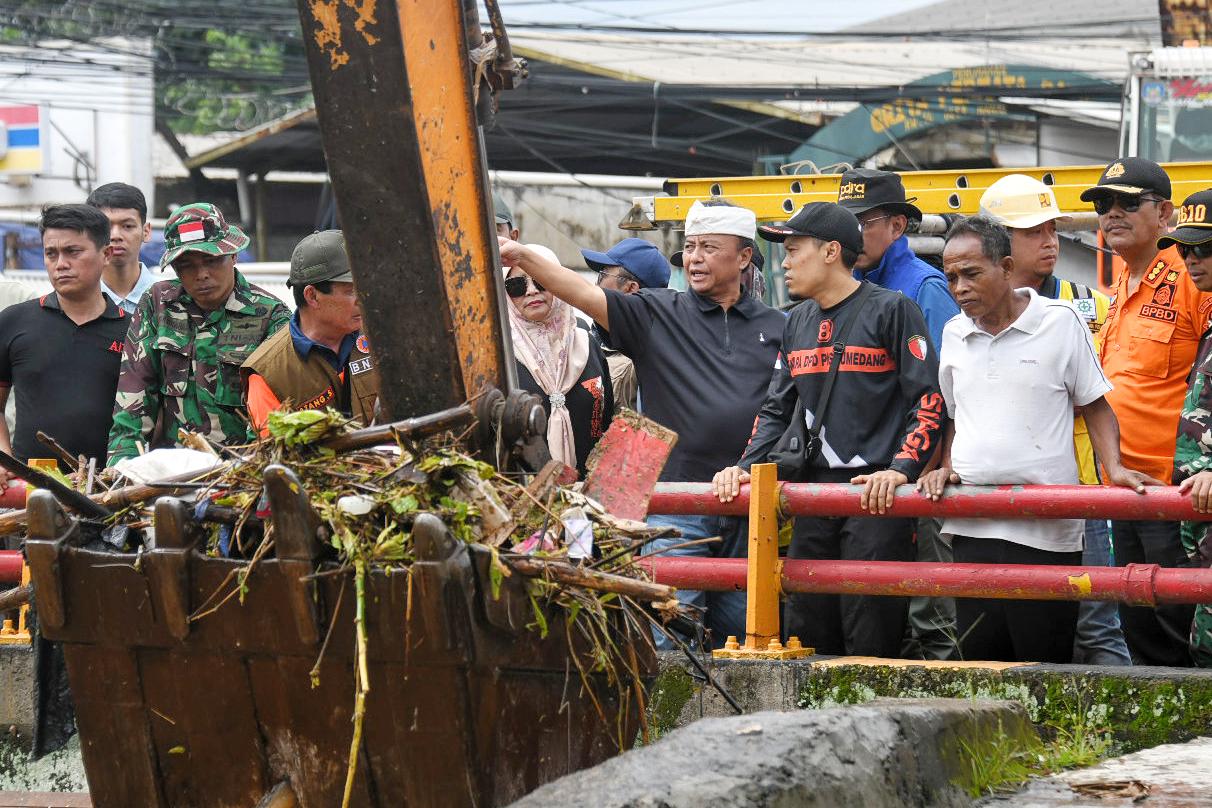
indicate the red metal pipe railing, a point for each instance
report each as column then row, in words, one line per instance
column 1136, row 584
column 1006, row 501
column 14, row 495
column 11, row 562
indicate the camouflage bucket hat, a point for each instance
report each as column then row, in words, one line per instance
column 200, row 227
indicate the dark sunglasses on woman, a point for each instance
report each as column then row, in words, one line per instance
column 1129, row 202
column 516, row 286
column 1200, row 251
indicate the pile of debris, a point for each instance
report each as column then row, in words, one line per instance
column 578, row 562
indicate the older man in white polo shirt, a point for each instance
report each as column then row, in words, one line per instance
column 1012, row 367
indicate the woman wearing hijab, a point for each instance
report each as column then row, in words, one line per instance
column 559, row 361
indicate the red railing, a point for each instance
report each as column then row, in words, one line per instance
column 11, row 562
column 766, row 577
column 1006, row 501
column 1136, row 584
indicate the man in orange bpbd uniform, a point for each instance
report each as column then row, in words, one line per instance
column 322, row 359
column 1149, row 342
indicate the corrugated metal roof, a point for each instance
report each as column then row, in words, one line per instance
column 814, row 62
column 1125, row 19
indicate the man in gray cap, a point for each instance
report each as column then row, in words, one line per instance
column 323, row 359
column 503, row 217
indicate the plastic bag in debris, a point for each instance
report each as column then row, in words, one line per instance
column 160, row 464
column 578, row 533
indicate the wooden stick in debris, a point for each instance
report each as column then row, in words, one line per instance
column 118, row 498
column 62, row 454
column 565, row 573
column 410, row 427
column 15, row 597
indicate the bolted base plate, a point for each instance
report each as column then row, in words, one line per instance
column 773, row 650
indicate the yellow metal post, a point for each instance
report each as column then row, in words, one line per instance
column 762, row 606
column 764, row 575
column 19, row 634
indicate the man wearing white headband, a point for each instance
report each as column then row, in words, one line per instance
column 704, row 358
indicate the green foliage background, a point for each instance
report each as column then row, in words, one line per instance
column 219, row 65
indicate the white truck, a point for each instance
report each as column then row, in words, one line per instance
column 1167, row 113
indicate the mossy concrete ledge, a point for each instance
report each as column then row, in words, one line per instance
column 1140, row 707
column 879, row 755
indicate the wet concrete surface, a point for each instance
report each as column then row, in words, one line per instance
column 1169, row 776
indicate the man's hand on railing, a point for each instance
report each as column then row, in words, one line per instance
column 727, row 482
column 1199, row 486
column 932, row 482
column 1126, row 478
column 879, row 489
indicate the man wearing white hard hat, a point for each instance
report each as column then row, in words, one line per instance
column 704, row 358
column 1029, row 211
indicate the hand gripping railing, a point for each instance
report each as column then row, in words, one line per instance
column 765, row 577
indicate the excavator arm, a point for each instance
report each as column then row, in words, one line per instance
column 397, row 85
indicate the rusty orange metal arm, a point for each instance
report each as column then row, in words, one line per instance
column 394, row 97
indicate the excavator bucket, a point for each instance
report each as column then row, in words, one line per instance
column 185, row 699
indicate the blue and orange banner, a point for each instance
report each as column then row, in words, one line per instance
column 25, row 154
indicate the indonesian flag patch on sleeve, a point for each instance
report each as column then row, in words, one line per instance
column 917, row 346
column 191, row 231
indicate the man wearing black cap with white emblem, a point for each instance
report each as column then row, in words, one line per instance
column 878, row 199
column 879, row 421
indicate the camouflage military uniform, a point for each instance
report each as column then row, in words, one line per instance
column 1193, row 454
column 181, row 366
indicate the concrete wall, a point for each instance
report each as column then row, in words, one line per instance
column 1063, row 142
column 568, row 217
column 1138, row 707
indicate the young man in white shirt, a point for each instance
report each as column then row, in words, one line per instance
column 1012, row 367
column 125, row 277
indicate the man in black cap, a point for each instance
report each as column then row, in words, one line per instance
column 1193, row 452
column 627, row 267
column 878, row 429
column 877, row 198
column 322, row 359
column 1148, row 345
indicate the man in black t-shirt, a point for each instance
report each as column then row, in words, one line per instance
column 60, row 353
column 880, row 428
column 703, row 360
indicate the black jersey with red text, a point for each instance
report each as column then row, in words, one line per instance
column 886, row 410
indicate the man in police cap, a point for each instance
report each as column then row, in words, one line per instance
column 878, row 199
column 1193, row 452
column 322, row 360
column 1147, row 348
column 627, row 267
